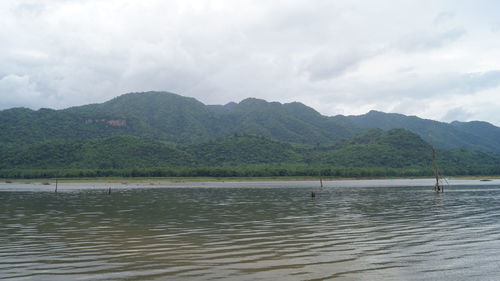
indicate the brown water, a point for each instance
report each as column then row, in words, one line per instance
column 362, row 230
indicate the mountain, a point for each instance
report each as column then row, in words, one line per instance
column 292, row 122
column 174, row 119
column 481, row 129
column 155, row 115
column 480, row 136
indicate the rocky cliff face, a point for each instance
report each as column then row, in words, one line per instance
column 114, row 123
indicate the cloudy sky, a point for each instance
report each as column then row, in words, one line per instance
column 434, row 59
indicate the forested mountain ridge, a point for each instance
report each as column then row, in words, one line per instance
column 473, row 135
column 171, row 118
column 167, row 134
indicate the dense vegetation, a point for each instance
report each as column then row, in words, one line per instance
column 163, row 134
column 480, row 136
column 373, row 153
column 176, row 119
column 171, row 118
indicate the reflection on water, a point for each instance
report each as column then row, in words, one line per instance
column 238, row 231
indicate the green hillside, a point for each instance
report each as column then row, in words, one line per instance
column 116, row 152
column 481, row 129
column 480, row 136
column 172, row 118
column 163, row 130
column 395, row 148
column 292, row 122
column 159, row 115
column 373, row 152
column 243, row 150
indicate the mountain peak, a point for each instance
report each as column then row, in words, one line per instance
column 174, row 118
column 151, row 95
column 253, row 101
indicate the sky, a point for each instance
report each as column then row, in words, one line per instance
column 434, row 59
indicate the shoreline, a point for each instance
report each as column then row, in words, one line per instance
column 222, row 179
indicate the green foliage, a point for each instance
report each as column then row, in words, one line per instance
column 108, row 153
column 172, row 118
column 373, row 153
column 472, row 135
column 217, row 172
column 243, row 150
column 176, row 119
column 159, row 133
column 375, row 148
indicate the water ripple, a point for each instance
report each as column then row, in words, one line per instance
column 269, row 232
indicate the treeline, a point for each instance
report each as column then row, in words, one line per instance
column 246, row 171
column 373, row 153
column 373, row 148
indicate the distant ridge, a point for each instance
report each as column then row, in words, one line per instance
column 474, row 135
column 175, row 119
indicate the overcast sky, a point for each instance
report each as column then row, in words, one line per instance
column 434, row 59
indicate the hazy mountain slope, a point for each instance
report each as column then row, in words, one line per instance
column 481, row 129
column 439, row 134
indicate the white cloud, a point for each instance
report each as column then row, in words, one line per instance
column 326, row 65
column 443, row 18
column 20, row 91
column 338, row 56
column 431, row 40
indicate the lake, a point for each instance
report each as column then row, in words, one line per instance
column 352, row 230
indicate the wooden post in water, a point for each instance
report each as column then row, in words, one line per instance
column 437, row 187
column 321, row 182
column 109, row 190
column 56, row 186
